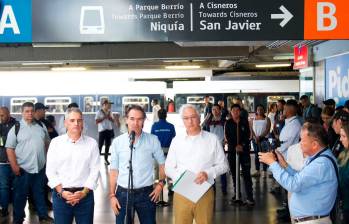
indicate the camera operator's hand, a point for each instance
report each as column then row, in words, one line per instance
column 267, row 157
column 281, row 159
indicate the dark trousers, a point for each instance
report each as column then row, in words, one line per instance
column 245, row 163
column 105, row 138
column 257, row 149
column 224, row 182
column 65, row 213
column 140, row 202
column 6, row 180
column 23, row 184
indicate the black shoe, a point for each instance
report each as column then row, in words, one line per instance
column 106, row 162
column 3, row 212
column 46, row 220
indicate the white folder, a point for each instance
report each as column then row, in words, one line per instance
column 186, row 186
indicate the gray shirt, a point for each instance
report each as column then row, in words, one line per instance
column 29, row 146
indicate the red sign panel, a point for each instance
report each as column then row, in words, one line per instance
column 300, row 57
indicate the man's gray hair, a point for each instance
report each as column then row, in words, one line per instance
column 71, row 110
column 188, row 106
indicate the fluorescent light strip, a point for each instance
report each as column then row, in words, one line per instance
column 273, row 65
column 41, row 63
column 68, row 69
column 183, row 67
column 283, row 57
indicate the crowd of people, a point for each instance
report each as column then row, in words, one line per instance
column 304, row 147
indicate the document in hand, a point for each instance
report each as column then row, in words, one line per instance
column 186, row 186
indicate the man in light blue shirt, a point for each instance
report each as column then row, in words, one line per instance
column 26, row 151
column 314, row 188
column 146, row 148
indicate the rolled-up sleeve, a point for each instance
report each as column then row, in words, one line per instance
column 92, row 179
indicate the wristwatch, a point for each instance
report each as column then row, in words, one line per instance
column 59, row 194
column 163, row 181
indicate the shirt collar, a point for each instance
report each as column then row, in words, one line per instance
column 288, row 120
column 71, row 141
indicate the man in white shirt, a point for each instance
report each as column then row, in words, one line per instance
column 201, row 153
column 156, row 108
column 73, row 170
column 104, row 120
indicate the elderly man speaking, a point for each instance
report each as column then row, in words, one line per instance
column 201, row 153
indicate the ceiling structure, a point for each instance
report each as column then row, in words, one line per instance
column 227, row 59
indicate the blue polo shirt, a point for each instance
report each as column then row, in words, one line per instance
column 165, row 132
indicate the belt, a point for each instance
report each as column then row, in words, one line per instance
column 73, row 189
column 309, row 218
column 137, row 190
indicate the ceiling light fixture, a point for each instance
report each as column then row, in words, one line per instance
column 56, row 45
column 183, row 67
column 68, row 69
column 273, row 65
column 41, row 63
column 284, row 57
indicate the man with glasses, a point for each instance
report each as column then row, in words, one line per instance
column 200, row 152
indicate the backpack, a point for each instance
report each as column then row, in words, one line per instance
column 336, row 213
column 18, row 126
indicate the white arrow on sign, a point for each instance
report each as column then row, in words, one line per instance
column 286, row 16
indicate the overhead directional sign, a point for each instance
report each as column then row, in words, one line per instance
column 43, row 21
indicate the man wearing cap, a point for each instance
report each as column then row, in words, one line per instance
column 39, row 115
column 330, row 103
column 26, row 152
column 104, row 120
column 73, row 170
column 309, row 110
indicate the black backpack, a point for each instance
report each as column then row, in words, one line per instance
column 18, row 126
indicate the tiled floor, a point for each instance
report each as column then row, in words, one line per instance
column 225, row 213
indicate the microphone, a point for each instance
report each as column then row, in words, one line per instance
column 132, row 137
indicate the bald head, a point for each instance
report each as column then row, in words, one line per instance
column 4, row 114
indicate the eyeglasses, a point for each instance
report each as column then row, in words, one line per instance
column 189, row 118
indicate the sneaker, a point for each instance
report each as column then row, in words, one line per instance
column 46, row 220
column 249, row 202
column 3, row 212
column 256, row 174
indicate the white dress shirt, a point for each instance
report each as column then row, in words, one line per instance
column 290, row 134
column 202, row 152
column 106, row 124
column 73, row 164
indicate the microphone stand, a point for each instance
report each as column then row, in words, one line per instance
column 129, row 207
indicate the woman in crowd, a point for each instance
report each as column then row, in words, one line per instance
column 343, row 161
column 260, row 131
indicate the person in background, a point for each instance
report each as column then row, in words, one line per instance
column 52, row 121
column 309, row 110
column 343, row 162
column 73, row 170
column 207, row 112
column 326, row 117
column 271, row 115
column 6, row 175
column 260, row 130
column 243, row 111
column 165, row 132
column 338, row 119
column 104, row 120
column 237, row 135
column 26, row 152
column 224, row 111
column 170, row 106
column 279, row 121
column 330, row 103
column 156, row 108
column 216, row 126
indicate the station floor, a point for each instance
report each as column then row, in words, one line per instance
column 264, row 210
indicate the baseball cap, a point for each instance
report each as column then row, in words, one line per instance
column 39, row 106
column 329, row 102
column 106, row 101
